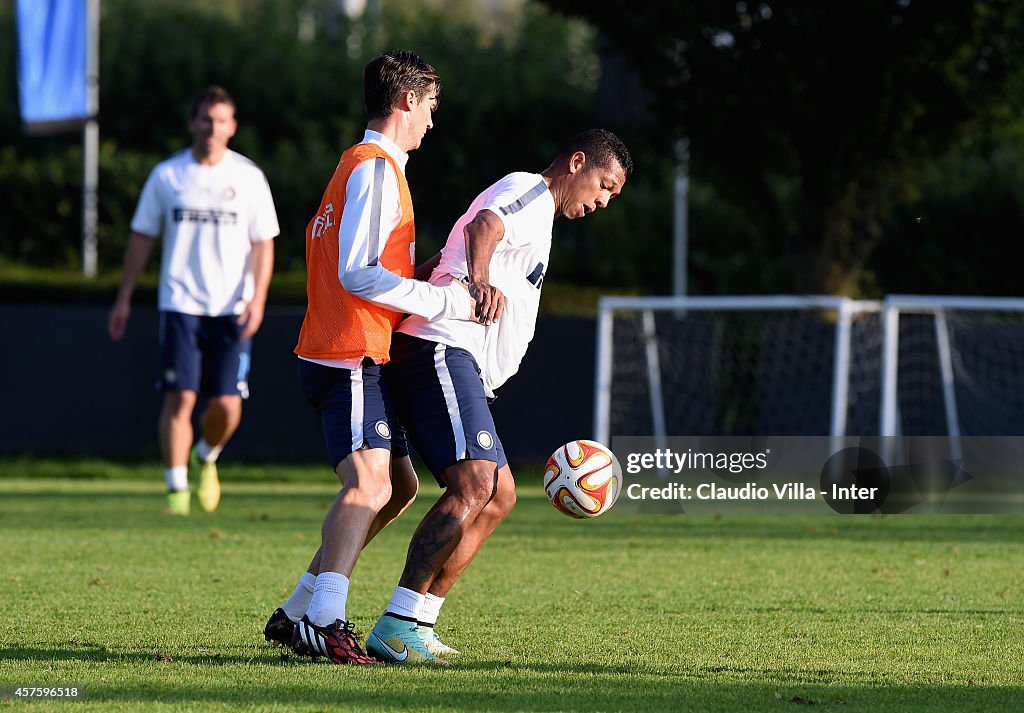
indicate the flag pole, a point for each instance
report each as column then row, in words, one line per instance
column 91, row 143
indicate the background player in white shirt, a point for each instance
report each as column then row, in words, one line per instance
column 442, row 372
column 216, row 215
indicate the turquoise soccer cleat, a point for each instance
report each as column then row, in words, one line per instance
column 395, row 640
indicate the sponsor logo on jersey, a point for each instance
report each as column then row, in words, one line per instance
column 536, row 277
column 323, row 221
column 203, row 215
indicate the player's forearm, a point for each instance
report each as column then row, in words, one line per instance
column 482, row 236
column 136, row 255
column 262, row 261
column 386, row 289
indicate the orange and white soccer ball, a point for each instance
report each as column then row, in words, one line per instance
column 582, row 479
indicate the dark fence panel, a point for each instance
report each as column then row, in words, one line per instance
column 66, row 389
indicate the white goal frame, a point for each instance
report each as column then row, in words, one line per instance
column 890, row 310
column 936, row 306
column 844, row 308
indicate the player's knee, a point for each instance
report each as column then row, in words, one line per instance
column 505, row 493
column 223, row 406
column 472, row 481
column 369, row 490
column 378, row 493
column 179, row 404
column 403, row 494
column 505, row 500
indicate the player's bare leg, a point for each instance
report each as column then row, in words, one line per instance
column 471, row 484
column 476, row 534
column 404, row 486
column 397, row 635
column 220, row 419
column 366, row 489
column 174, row 431
column 472, row 540
column 219, row 422
column 175, row 427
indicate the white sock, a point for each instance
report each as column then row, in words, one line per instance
column 206, row 452
column 430, row 610
column 176, row 478
column 329, row 595
column 300, row 599
column 405, row 602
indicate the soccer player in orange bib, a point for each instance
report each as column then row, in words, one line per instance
column 360, row 257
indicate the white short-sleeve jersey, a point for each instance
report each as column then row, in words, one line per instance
column 208, row 217
column 527, row 209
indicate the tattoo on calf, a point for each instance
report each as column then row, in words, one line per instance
column 437, row 534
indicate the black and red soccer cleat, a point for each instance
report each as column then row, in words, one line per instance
column 336, row 641
column 280, row 630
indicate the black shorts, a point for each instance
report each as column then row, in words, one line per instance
column 203, row 354
column 441, row 402
column 354, row 408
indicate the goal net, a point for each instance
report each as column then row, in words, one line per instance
column 804, row 365
column 952, row 366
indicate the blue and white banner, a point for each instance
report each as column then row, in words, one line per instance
column 53, row 62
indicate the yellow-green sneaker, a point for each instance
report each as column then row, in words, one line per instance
column 395, row 640
column 209, row 483
column 179, row 502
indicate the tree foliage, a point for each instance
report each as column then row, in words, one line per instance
column 815, row 119
column 818, row 132
column 513, row 93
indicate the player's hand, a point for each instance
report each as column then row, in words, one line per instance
column 117, row 321
column 490, row 302
column 251, row 319
column 463, row 285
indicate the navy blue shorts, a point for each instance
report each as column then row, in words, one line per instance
column 203, row 354
column 441, row 402
column 354, row 408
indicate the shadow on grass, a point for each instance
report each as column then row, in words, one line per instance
column 92, row 652
column 75, row 508
column 497, row 685
column 487, row 686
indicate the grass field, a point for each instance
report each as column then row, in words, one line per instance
column 844, row 613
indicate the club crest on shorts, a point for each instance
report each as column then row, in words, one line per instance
column 382, row 429
column 170, row 376
column 485, row 440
